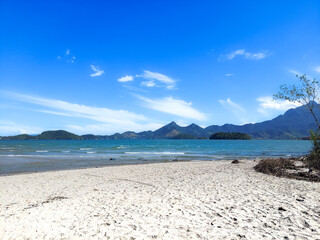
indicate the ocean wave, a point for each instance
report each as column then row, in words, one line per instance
column 42, row 151
column 155, row 153
column 121, row 147
column 84, row 149
column 91, row 152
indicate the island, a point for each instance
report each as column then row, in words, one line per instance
column 230, row 136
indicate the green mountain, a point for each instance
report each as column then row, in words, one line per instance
column 172, row 130
column 293, row 124
column 48, row 135
column 58, row 135
column 18, row 137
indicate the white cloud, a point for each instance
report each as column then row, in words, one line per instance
column 182, row 123
column 247, row 55
column 173, row 106
column 268, row 103
column 154, row 76
column 97, row 71
column 236, row 109
column 112, row 128
column 67, row 57
column 105, row 120
column 9, row 128
column 229, row 74
column 125, row 79
column 63, row 108
column 255, row 56
column 295, row 72
column 298, row 73
column 317, row 69
column 234, row 106
column 148, row 84
column 232, row 55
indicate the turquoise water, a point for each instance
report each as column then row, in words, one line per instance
column 30, row 156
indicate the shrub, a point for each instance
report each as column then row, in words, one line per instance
column 275, row 167
column 313, row 159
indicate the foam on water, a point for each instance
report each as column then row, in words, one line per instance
column 22, row 156
column 155, row 153
column 121, row 147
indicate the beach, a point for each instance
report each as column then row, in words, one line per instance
column 176, row 200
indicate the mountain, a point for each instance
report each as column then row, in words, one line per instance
column 172, row 130
column 58, row 135
column 18, row 137
column 293, row 124
column 47, row 135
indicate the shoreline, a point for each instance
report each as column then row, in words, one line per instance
column 147, row 162
column 109, row 165
column 174, row 200
column 142, row 162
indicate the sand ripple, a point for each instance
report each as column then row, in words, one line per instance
column 182, row 200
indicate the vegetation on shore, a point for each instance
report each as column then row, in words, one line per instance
column 306, row 168
column 230, row 136
column 296, row 168
column 307, row 94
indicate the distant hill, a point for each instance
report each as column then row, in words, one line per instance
column 293, row 124
column 58, row 135
column 19, row 137
column 48, row 135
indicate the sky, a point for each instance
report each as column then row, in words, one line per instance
column 103, row 67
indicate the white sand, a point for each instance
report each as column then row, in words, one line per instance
column 182, row 200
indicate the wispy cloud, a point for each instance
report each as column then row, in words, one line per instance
column 11, row 128
column 97, row 71
column 63, row 108
column 155, row 76
column 267, row 104
column 229, row 74
column 112, row 128
column 67, row 57
column 317, row 69
column 173, row 106
column 295, row 72
column 236, row 109
column 127, row 78
column 245, row 54
column 232, row 105
column 148, row 83
column 104, row 120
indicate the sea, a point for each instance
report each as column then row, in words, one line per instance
column 47, row 155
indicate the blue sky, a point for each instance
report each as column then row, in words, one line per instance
column 110, row 66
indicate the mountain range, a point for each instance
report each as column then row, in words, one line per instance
column 293, row 124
